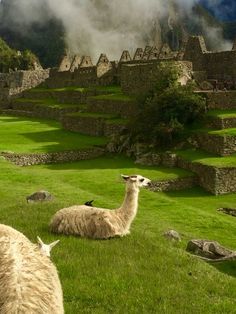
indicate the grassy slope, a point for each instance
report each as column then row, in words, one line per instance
column 141, row 273
column 207, row 158
column 24, row 135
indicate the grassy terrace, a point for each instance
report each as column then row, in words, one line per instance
column 227, row 132
column 48, row 102
column 140, row 273
column 222, row 113
column 92, row 115
column 24, row 135
column 208, row 159
column 114, row 97
column 106, row 89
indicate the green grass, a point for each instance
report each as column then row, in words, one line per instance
column 140, row 273
column 226, row 132
column 107, row 89
column 47, row 102
column 26, row 135
column 207, row 158
column 114, row 97
column 70, row 88
column 222, row 114
column 91, row 115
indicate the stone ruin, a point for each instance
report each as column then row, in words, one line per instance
column 134, row 74
column 137, row 73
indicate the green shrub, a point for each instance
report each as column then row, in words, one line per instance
column 166, row 110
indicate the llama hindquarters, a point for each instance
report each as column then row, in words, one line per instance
column 88, row 222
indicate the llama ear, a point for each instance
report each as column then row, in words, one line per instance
column 51, row 245
column 125, row 177
column 40, row 242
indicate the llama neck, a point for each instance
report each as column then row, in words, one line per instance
column 129, row 207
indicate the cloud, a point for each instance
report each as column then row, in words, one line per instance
column 95, row 26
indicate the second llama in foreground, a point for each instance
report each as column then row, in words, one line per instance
column 101, row 223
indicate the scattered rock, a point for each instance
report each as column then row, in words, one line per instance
column 210, row 250
column 39, row 196
column 228, row 211
column 172, row 235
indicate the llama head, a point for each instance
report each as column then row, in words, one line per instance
column 136, row 180
column 46, row 248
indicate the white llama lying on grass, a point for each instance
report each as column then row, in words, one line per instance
column 29, row 280
column 101, row 223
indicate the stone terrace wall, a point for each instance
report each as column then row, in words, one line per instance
column 122, row 108
column 90, row 125
column 215, row 180
column 16, row 82
column 85, row 125
column 58, row 157
column 174, row 184
column 219, row 124
column 221, row 100
column 220, row 145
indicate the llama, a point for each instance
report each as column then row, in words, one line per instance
column 101, row 223
column 29, row 280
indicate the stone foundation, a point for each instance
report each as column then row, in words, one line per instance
column 49, row 158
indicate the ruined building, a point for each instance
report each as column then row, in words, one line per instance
column 138, row 72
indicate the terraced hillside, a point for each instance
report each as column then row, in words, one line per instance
column 140, row 273
column 105, row 111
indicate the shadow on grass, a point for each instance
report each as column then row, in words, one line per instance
column 189, row 193
column 228, row 268
column 64, row 140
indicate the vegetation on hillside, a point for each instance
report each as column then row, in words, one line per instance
column 45, row 40
column 167, row 109
column 12, row 59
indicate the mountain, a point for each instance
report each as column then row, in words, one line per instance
column 224, row 10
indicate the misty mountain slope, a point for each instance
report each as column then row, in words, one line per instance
column 93, row 27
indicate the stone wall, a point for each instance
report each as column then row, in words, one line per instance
column 219, row 123
column 48, row 158
column 16, row 82
column 221, row 100
column 90, row 125
column 122, row 108
column 141, row 77
column 217, row 144
column 218, row 65
column 215, row 180
column 173, row 184
column 85, row 125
